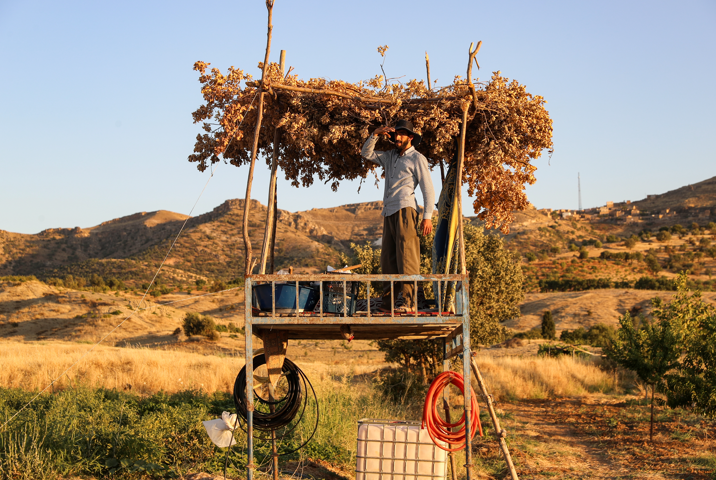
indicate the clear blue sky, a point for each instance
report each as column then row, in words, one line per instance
column 96, row 97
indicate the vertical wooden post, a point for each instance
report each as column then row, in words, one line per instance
column 500, row 433
column 272, row 190
column 458, row 185
column 447, row 348
column 427, row 67
column 273, row 232
column 254, row 149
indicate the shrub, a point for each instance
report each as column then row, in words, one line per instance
column 534, row 334
column 555, row 250
column 652, row 263
column 531, row 257
column 612, row 239
column 573, row 247
column 548, row 328
column 115, row 284
column 234, row 329
column 598, row 244
column 630, row 243
column 583, row 253
column 663, row 236
column 597, row 336
column 195, row 324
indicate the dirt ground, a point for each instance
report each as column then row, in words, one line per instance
column 609, row 438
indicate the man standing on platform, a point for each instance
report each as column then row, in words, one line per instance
column 405, row 168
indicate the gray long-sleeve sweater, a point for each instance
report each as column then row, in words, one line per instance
column 402, row 174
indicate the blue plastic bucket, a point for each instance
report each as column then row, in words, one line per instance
column 285, row 297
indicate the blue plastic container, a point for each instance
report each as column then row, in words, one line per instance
column 285, row 297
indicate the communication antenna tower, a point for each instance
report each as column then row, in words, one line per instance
column 579, row 189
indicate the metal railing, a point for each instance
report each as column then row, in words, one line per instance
column 302, row 317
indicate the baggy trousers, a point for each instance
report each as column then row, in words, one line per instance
column 400, row 253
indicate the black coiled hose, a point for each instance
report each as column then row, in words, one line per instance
column 287, row 407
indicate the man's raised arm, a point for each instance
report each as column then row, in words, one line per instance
column 368, row 151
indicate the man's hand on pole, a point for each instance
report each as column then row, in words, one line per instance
column 426, row 227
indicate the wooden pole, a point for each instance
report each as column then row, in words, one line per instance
column 427, row 67
column 469, row 70
column 273, row 232
column 274, row 449
column 254, row 149
column 272, row 190
column 451, row 455
column 501, row 434
column 458, row 186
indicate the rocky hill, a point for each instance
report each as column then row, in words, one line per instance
column 700, row 195
column 210, row 246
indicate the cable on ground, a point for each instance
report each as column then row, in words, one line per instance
column 439, row 429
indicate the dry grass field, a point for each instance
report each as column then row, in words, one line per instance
column 31, row 366
column 565, row 417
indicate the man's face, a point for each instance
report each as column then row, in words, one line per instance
column 403, row 138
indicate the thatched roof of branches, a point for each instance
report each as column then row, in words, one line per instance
column 324, row 123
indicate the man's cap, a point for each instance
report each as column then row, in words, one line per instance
column 408, row 126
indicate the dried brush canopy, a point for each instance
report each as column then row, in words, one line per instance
column 324, row 123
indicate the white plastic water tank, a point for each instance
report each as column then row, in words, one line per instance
column 397, row 450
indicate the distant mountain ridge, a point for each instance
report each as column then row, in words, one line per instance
column 211, row 245
column 699, row 195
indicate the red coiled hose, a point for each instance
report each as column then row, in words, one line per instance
column 439, row 429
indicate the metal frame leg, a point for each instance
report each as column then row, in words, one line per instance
column 466, row 365
column 249, row 381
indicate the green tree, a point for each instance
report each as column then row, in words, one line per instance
column 652, row 263
column 630, row 243
column 369, row 258
column 652, row 348
column 693, row 383
column 195, row 324
column 496, row 281
column 663, row 236
column 549, row 331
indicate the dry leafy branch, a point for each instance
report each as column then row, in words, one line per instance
column 324, row 124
